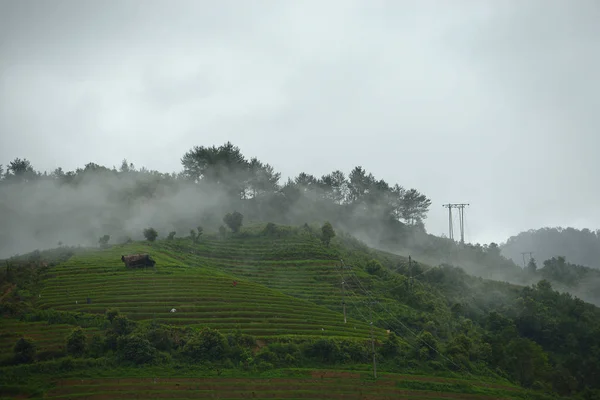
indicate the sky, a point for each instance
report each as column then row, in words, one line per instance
column 486, row 102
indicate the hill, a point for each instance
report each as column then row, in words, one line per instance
column 280, row 331
column 580, row 247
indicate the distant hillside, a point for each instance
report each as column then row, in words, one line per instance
column 580, row 247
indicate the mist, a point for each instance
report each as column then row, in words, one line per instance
column 44, row 213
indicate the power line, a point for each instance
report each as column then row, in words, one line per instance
column 408, row 329
column 461, row 217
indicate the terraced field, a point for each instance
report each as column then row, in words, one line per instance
column 316, row 384
column 198, row 288
column 48, row 337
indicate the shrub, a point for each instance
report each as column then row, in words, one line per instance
column 270, row 229
column 111, row 313
column 76, row 342
column 150, row 234
column 103, row 241
column 25, row 350
column 327, row 233
column 233, row 221
column 135, row 349
column 208, row 344
column 374, row 267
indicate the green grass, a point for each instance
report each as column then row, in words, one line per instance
column 202, row 292
column 287, row 287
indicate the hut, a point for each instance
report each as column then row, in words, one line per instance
column 138, row 261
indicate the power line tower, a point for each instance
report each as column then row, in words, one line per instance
column 461, row 217
column 530, row 257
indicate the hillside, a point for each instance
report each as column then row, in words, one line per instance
column 580, row 247
column 280, row 331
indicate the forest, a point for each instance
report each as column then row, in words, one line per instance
column 580, row 246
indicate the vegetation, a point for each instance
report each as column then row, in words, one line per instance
column 582, row 247
column 228, row 309
column 150, row 234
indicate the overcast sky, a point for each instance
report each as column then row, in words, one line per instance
column 493, row 103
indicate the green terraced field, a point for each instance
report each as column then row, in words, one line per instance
column 48, row 337
column 316, row 384
column 286, row 287
column 201, row 289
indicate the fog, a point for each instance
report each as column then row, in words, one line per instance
column 488, row 102
column 40, row 214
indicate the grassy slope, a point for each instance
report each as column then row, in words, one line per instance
column 286, row 286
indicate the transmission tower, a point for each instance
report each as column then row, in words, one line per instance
column 530, row 256
column 461, row 218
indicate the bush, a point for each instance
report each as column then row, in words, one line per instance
column 208, row 344
column 136, row 349
column 233, row 221
column 103, row 241
column 25, row 350
column 111, row 313
column 374, row 267
column 150, row 234
column 327, row 233
column 270, row 229
column 76, row 342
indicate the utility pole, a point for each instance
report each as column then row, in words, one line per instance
column 410, row 273
column 530, row 257
column 373, row 340
column 343, row 266
column 461, row 218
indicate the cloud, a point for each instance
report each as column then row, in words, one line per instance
column 486, row 102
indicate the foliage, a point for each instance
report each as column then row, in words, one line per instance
column 103, row 241
column 76, row 342
column 233, row 221
column 25, row 350
column 327, row 233
column 207, row 344
column 136, row 349
column 150, row 234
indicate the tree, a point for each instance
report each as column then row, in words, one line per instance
column 136, row 349
column 334, row 186
column 262, row 178
column 224, row 166
column 414, row 207
column 150, row 234
column 532, row 266
column 25, row 350
column 208, row 344
column 199, row 234
column 171, row 235
column 76, row 342
column 233, row 221
column 20, row 170
column 103, row 241
column 327, row 233
column 359, row 184
column 374, row 267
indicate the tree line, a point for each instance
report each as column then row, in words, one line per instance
column 357, row 199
